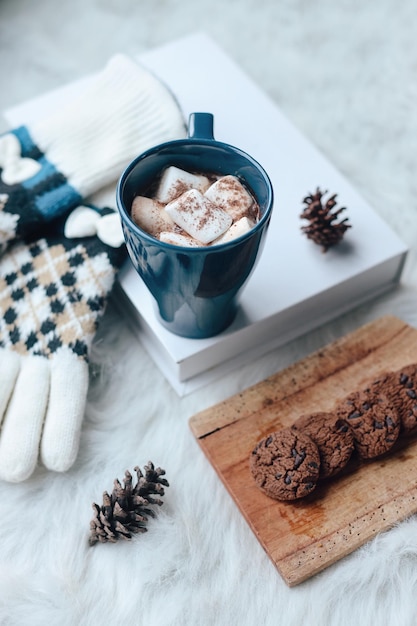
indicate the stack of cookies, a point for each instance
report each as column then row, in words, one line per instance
column 288, row 464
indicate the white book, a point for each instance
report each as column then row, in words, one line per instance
column 295, row 286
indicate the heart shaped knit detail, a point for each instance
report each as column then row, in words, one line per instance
column 16, row 168
column 19, row 170
column 85, row 222
column 82, row 222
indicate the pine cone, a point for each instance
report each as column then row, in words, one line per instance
column 125, row 512
column 323, row 228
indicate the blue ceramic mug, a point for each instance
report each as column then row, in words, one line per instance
column 195, row 289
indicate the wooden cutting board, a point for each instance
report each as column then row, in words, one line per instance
column 304, row 537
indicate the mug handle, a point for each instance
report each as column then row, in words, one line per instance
column 200, row 126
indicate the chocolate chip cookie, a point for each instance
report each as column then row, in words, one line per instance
column 400, row 387
column 333, row 438
column 374, row 422
column 285, row 465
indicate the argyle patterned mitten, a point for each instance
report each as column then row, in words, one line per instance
column 48, row 166
column 53, row 292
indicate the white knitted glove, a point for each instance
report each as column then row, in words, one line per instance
column 53, row 293
column 47, row 167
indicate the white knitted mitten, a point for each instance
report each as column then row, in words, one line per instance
column 53, row 292
column 47, row 167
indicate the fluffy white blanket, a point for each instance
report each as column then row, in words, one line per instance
column 346, row 75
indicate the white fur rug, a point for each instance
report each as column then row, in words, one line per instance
column 345, row 73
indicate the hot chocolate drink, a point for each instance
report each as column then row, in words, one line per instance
column 194, row 209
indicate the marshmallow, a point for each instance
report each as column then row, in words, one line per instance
column 175, row 181
column 231, row 196
column 198, row 216
column 150, row 215
column 176, row 239
column 236, row 230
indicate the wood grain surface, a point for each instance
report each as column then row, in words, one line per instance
column 306, row 536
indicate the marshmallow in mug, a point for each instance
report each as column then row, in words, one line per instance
column 196, row 210
column 198, row 216
column 175, row 181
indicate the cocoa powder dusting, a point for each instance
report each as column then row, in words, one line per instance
column 179, row 188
